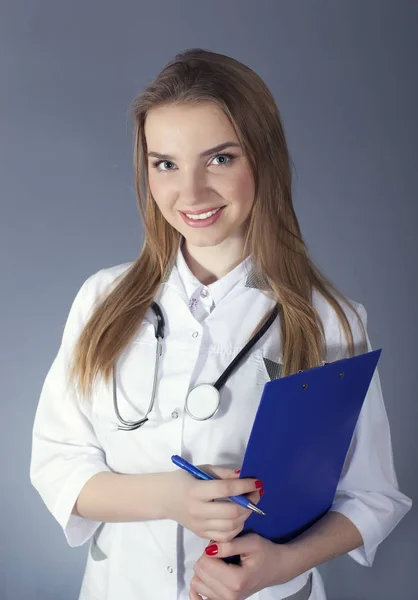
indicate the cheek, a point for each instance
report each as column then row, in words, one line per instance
column 153, row 184
column 160, row 193
column 243, row 189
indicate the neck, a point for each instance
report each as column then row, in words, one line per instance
column 211, row 263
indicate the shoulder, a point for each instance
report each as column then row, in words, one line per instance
column 327, row 312
column 334, row 333
column 100, row 283
column 101, row 280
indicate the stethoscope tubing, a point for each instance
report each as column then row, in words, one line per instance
column 159, row 334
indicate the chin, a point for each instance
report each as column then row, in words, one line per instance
column 203, row 239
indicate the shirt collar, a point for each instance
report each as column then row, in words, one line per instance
column 218, row 289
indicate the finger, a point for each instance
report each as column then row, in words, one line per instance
column 200, row 587
column 216, row 577
column 244, row 544
column 223, row 524
column 222, row 510
column 255, row 497
column 221, row 472
column 194, row 595
column 223, row 488
column 223, row 536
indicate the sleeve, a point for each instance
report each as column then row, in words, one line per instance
column 65, row 450
column 368, row 492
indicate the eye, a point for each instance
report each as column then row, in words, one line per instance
column 229, row 157
column 159, row 162
column 225, row 155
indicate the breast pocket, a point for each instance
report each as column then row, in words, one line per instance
column 273, row 368
column 268, row 369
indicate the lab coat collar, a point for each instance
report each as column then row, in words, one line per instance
column 239, row 275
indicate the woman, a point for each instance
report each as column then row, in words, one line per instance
column 222, row 246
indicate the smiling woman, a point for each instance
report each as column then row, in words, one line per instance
column 223, row 251
column 196, row 185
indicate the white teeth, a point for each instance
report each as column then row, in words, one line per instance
column 203, row 215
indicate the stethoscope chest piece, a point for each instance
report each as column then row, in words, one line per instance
column 202, row 402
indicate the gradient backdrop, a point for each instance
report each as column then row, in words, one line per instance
column 344, row 75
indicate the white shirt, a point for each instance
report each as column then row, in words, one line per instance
column 73, row 439
column 202, row 299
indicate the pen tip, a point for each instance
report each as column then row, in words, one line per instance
column 256, row 509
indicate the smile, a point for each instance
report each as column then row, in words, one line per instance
column 204, row 215
column 202, row 219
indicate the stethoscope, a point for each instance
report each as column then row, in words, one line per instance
column 203, row 400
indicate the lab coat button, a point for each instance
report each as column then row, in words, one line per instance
column 170, row 569
column 195, row 334
column 174, row 414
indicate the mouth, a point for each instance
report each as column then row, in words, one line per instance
column 202, row 218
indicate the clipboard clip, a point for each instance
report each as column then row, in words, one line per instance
column 324, row 362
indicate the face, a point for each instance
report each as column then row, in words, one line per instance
column 198, row 173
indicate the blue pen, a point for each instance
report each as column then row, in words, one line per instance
column 193, row 470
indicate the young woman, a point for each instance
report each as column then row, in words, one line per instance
column 222, row 246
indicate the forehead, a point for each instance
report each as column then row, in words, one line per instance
column 172, row 125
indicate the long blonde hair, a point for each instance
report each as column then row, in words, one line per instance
column 273, row 237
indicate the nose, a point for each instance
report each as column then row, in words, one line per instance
column 192, row 190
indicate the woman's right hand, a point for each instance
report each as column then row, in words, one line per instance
column 191, row 502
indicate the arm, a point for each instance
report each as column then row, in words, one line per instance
column 68, row 464
column 265, row 564
column 113, row 497
column 69, row 468
column 65, row 451
column 330, row 537
column 367, row 507
column 368, row 492
column 368, row 504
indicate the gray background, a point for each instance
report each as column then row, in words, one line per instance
column 344, row 75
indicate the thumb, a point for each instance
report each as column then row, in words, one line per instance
column 221, row 472
column 245, row 544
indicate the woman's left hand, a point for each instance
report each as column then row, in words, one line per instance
column 263, row 564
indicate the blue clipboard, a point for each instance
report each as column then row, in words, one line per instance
column 299, row 441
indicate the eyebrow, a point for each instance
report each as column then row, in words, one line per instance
column 202, row 154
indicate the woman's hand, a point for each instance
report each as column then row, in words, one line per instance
column 263, row 564
column 191, row 502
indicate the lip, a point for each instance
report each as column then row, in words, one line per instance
column 197, row 223
column 200, row 212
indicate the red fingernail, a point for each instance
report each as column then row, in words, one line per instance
column 258, row 484
column 238, row 471
column 261, row 492
column 211, row 550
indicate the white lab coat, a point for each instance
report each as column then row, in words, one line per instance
column 73, row 439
